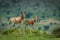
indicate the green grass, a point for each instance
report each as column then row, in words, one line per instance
column 28, row 35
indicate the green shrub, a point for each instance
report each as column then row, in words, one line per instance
column 36, row 32
column 8, row 31
column 5, row 32
column 44, row 33
column 28, row 31
column 56, row 32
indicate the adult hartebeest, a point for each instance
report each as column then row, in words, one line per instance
column 30, row 22
column 17, row 20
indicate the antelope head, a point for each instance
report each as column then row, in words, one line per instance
column 35, row 18
column 23, row 14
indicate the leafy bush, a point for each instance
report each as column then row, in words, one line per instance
column 28, row 15
column 8, row 31
column 5, row 32
column 36, row 32
column 27, row 31
column 39, row 28
column 46, row 27
column 56, row 32
column 44, row 33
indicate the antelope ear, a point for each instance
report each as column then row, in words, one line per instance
column 23, row 12
column 36, row 16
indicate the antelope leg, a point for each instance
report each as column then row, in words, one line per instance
column 25, row 27
column 12, row 25
column 19, row 29
column 33, row 27
column 19, row 26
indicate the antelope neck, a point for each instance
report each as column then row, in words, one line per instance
column 22, row 17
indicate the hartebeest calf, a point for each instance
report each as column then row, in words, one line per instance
column 18, row 20
column 30, row 22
